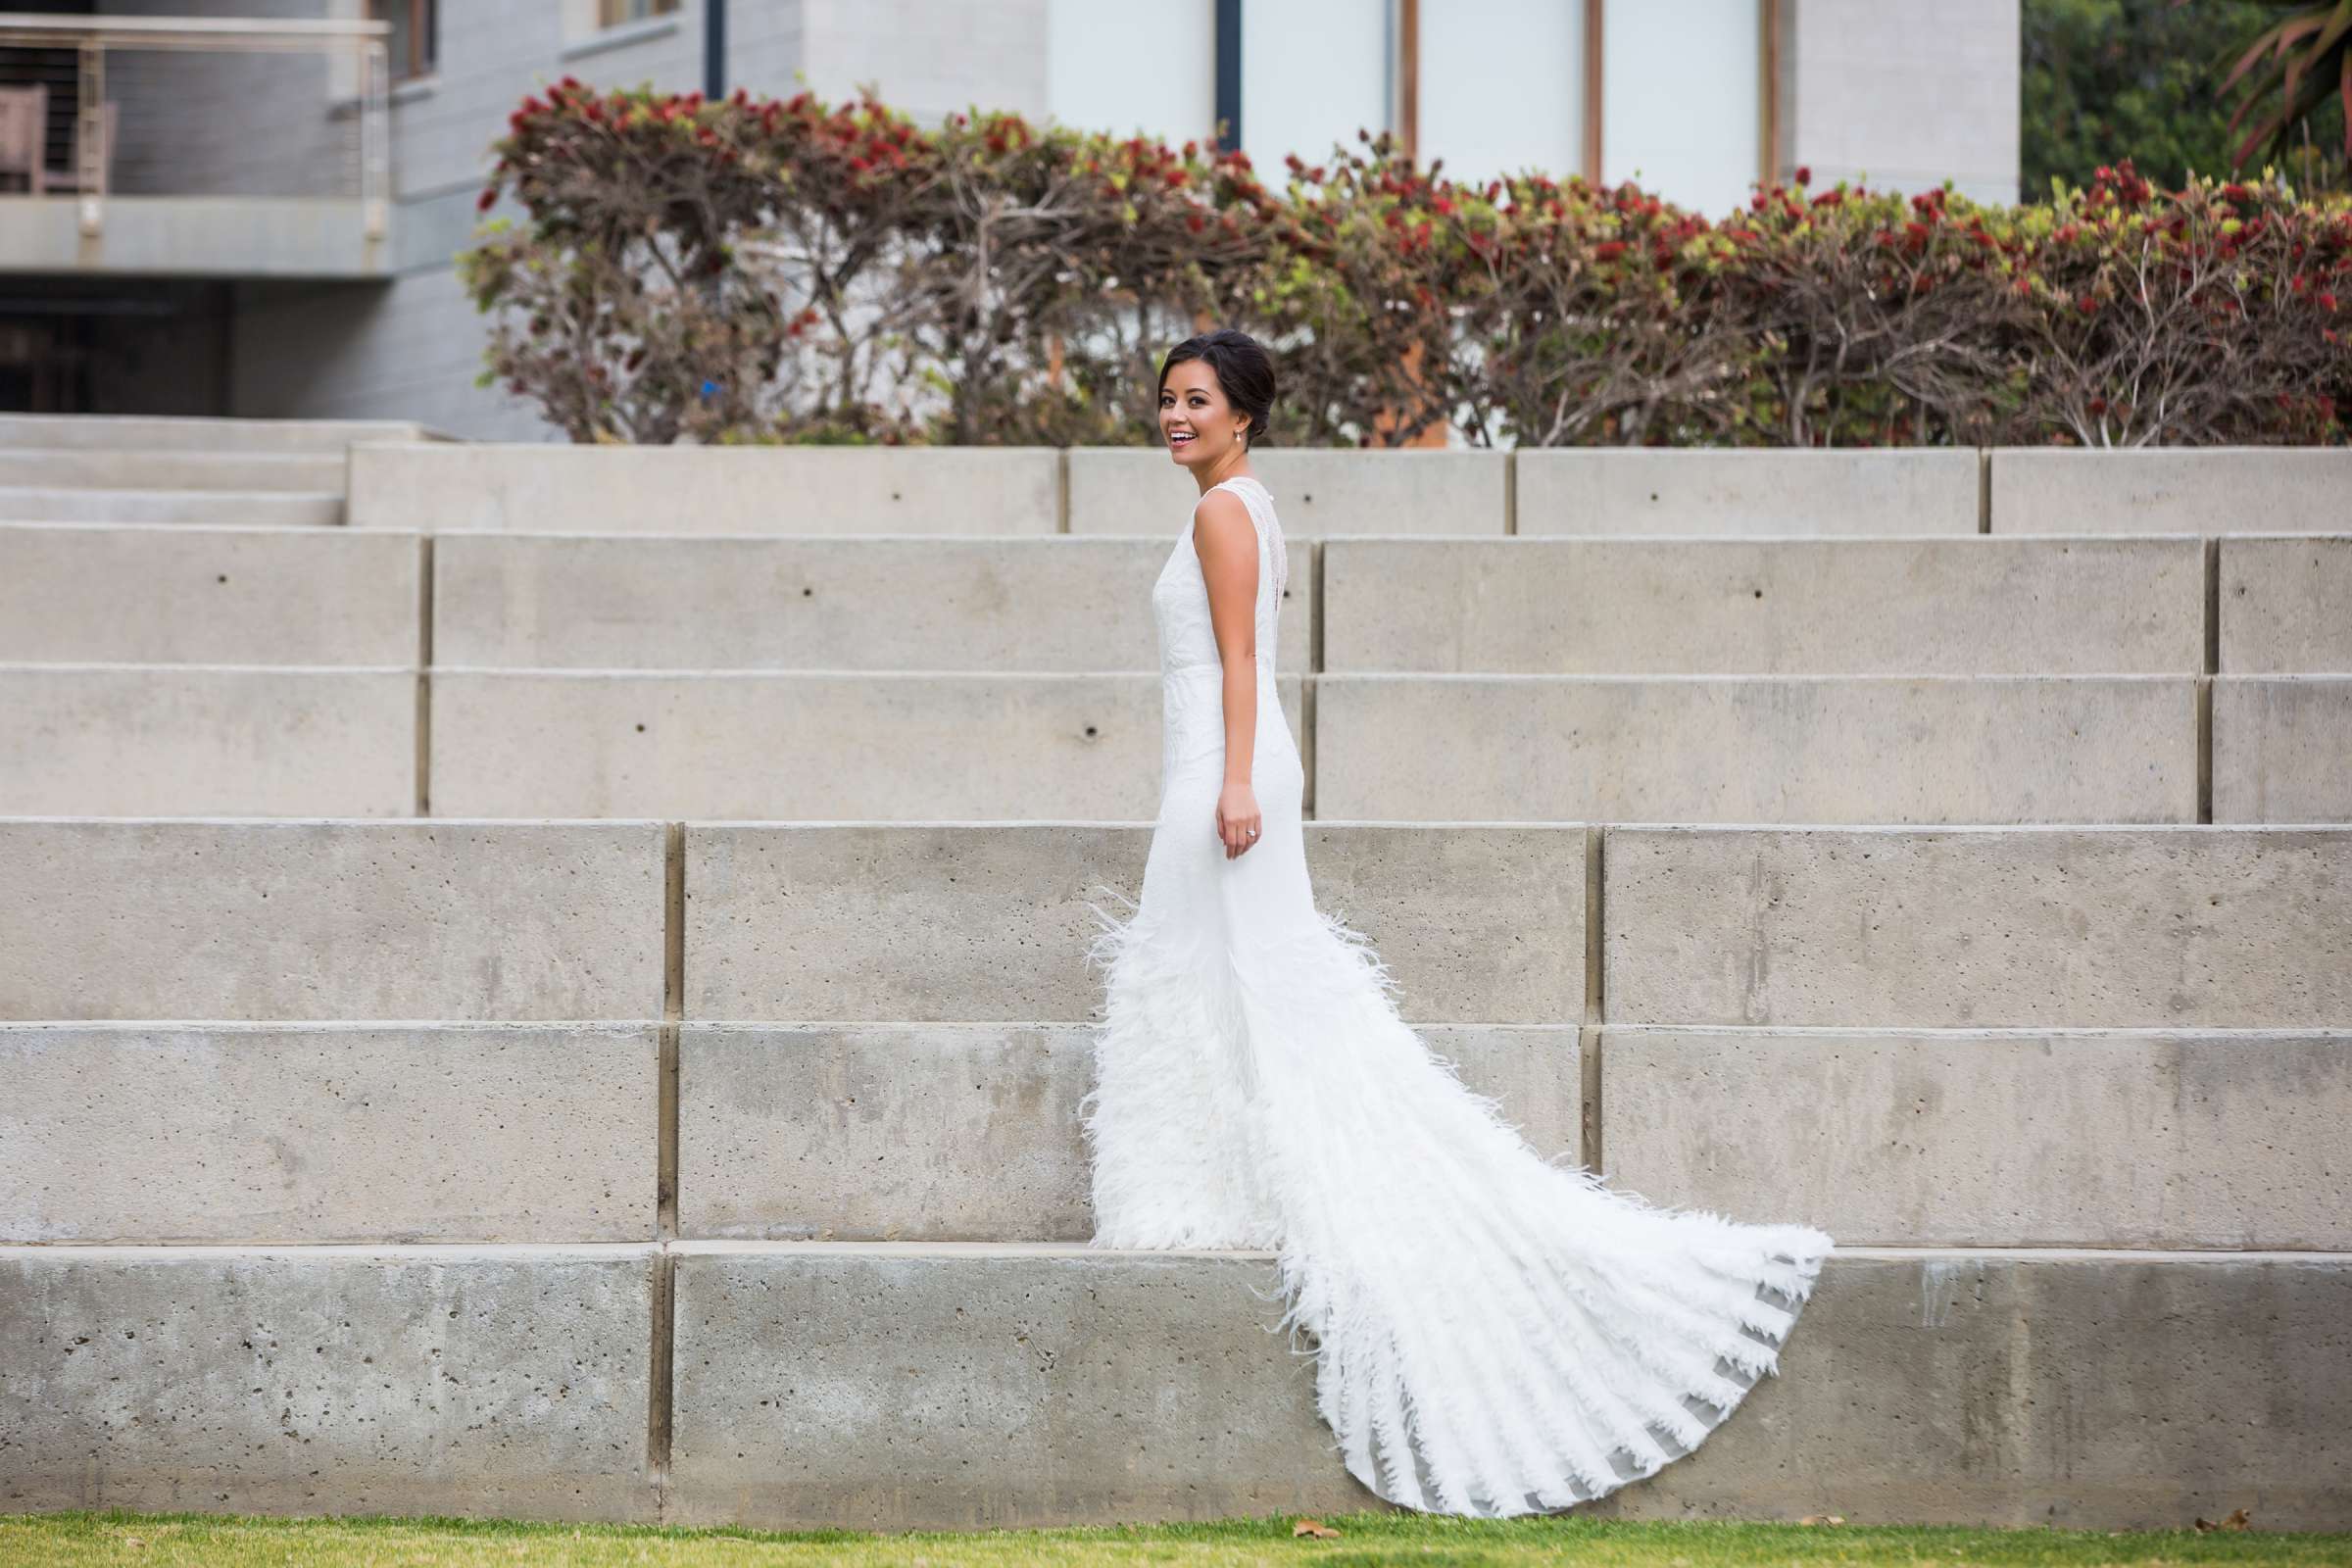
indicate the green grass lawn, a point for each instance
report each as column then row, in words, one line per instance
column 155, row 1541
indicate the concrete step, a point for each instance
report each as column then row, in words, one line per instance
column 892, row 1387
column 510, row 1381
column 2211, row 490
column 2228, row 1139
column 176, row 593
column 218, row 509
column 412, row 1132
column 148, row 740
column 1960, row 606
column 113, row 432
column 2098, row 1389
column 960, row 1130
column 1977, row 927
column 966, row 922
column 1658, row 490
column 283, row 921
column 765, row 746
column 157, row 1132
column 2280, row 749
column 1046, row 602
column 2286, row 606
column 1989, row 749
column 2223, row 1139
column 531, row 488
column 1320, row 493
column 86, row 468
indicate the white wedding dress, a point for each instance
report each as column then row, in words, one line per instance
column 1495, row 1334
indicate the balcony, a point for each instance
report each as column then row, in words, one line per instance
column 194, row 148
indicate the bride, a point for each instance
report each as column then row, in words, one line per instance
column 1495, row 1334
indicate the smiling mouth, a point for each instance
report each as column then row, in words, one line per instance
column 1180, row 440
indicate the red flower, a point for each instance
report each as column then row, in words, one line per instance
column 2326, row 302
column 1608, row 250
column 1804, row 174
column 2085, row 304
column 489, row 195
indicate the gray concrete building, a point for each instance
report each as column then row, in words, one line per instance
column 252, row 207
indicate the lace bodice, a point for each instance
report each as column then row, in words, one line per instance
column 1188, row 639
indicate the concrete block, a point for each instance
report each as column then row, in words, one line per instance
column 1757, row 749
column 885, row 1388
column 412, row 1132
column 158, row 740
column 1317, row 493
column 485, row 1381
column 1962, row 606
column 989, row 923
column 74, row 469
column 2093, row 1390
column 891, row 1131
column 2208, row 490
column 2157, row 928
column 777, row 745
column 286, row 920
column 936, row 1385
column 113, row 432
column 177, row 595
column 1051, row 603
column 213, row 509
column 1647, row 490
column 2283, row 749
column 2287, row 606
column 1982, row 1137
column 549, row 488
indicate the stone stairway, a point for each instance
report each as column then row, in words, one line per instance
column 652, row 1127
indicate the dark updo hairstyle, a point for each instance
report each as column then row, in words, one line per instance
column 1243, row 371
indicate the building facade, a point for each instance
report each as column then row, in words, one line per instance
column 307, row 268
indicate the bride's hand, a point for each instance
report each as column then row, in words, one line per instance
column 1238, row 820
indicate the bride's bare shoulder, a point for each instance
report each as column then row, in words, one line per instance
column 1221, row 519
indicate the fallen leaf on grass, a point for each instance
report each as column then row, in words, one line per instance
column 1822, row 1519
column 1315, row 1528
column 2241, row 1520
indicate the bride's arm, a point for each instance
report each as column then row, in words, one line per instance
column 1226, row 541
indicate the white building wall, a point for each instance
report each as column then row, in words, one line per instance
column 1682, row 111
column 1502, row 87
column 1903, row 92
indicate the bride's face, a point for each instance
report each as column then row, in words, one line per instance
column 1195, row 423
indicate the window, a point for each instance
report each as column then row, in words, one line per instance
column 409, row 49
column 612, row 13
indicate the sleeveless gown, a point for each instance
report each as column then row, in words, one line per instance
column 1495, row 1334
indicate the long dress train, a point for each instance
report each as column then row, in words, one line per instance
column 1495, row 1334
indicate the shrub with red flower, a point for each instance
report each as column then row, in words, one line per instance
column 760, row 269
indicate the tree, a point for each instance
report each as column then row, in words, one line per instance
column 2110, row 79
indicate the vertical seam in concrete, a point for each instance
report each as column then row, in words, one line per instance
column 1588, row 1035
column 2213, row 605
column 666, row 1163
column 1596, row 1003
column 1587, row 1040
column 2212, row 661
column 1984, row 489
column 1306, row 745
column 424, row 791
column 1510, row 491
column 673, row 1010
column 2204, row 748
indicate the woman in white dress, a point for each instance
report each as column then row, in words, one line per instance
column 1495, row 1334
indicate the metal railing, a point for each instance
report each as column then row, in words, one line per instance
column 360, row 45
